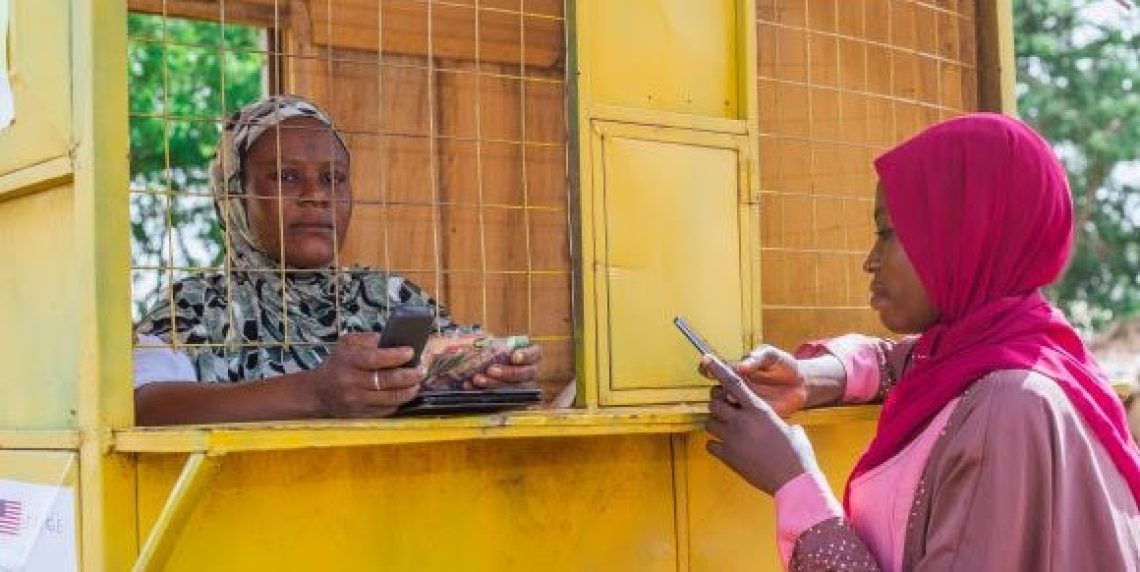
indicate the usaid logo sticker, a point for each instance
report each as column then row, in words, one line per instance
column 37, row 527
column 11, row 517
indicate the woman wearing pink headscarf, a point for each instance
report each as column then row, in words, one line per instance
column 1001, row 445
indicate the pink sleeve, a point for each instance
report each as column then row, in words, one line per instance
column 872, row 365
column 860, row 357
column 802, row 503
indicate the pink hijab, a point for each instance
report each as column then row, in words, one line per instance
column 983, row 210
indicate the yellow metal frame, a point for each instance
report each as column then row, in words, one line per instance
column 91, row 155
column 100, row 159
column 39, row 440
column 749, row 95
column 281, row 436
column 197, row 474
column 50, row 173
column 678, row 444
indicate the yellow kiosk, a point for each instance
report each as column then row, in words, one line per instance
column 651, row 157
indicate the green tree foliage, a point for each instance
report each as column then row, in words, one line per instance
column 185, row 78
column 1078, row 65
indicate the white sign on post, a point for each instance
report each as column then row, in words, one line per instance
column 37, row 527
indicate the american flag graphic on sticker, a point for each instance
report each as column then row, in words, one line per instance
column 11, row 517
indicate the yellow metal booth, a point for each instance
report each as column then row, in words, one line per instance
column 580, row 172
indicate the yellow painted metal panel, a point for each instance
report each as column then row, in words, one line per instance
column 40, row 467
column 39, row 303
column 671, row 238
column 41, row 85
column 731, row 525
column 672, row 229
column 599, row 503
column 197, row 475
column 668, row 55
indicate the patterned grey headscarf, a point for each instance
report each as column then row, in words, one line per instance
column 254, row 321
column 227, row 171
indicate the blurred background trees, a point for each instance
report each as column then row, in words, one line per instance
column 179, row 89
column 1078, row 68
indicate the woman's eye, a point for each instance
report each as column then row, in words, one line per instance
column 884, row 233
column 288, row 176
column 337, row 181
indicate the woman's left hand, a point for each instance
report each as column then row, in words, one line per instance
column 522, row 370
column 752, row 440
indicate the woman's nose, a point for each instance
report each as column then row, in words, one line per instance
column 313, row 191
column 872, row 262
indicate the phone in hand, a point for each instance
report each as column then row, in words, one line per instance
column 720, row 369
column 408, row 326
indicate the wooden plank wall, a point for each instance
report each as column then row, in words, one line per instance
column 458, row 136
column 839, row 83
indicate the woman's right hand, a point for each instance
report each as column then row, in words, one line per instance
column 752, row 440
column 359, row 379
column 775, row 376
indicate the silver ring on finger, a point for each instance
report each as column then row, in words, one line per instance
column 376, row 380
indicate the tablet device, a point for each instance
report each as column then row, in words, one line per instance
column 469, row 401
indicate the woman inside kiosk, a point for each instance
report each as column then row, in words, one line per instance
column 284, row 332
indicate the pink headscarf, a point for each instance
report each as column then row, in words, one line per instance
column 983, row 210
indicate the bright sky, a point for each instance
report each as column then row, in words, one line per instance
column 1111, row 12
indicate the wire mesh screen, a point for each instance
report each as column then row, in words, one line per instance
column 452, row 118
column 840, row 81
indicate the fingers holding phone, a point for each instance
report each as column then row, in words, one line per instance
column 408, row 326
column 772, row 374
column 360, row 379
column 751, row 439
column 748, row 434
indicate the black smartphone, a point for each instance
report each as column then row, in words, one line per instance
column 719, row 368
column 408, row 326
